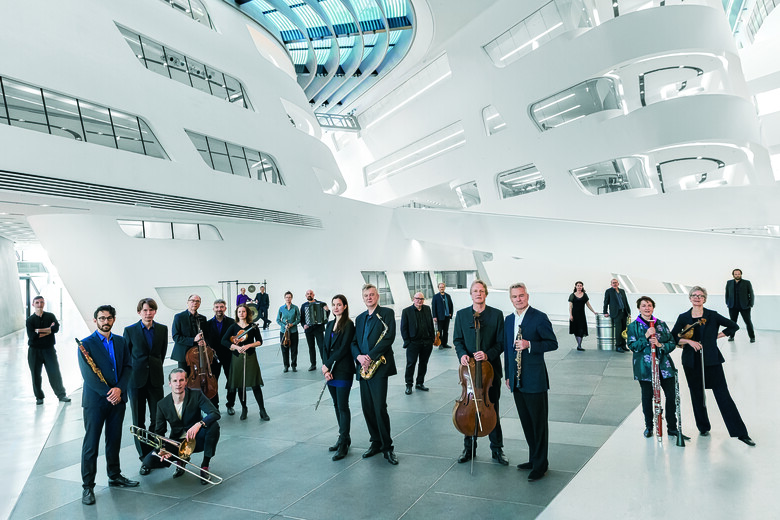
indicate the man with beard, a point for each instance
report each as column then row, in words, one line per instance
column 314, row 316
column 215, row 330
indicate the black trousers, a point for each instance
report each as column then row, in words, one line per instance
column 289, row 354
column 315, row 333
column 205, row 441
column 264, row 317
column 443, row 326
column 716, row 380
column 415, row 351
column 667, row 385
column 95, row 417
column 497, row 435
column 139, row 398
column 37, row 358
column 225, row 360
column 533, row 411
column 340, row 396
column 373, row 399
column 618, row 326
column 734, row 313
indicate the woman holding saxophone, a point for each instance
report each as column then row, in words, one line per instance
column 703, row 346
column 644, row 333
column 338, row 369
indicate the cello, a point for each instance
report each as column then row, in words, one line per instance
column 474, row 414
column 199, row 359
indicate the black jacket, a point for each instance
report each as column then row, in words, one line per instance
column 337, row 349
column 147, row 363
column 706, row 334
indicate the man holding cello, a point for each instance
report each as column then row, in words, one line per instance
column 491, row 344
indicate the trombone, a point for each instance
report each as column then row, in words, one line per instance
column 183, row 451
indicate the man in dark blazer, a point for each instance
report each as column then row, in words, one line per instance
column 198, row 420
column 530, row 386
column 263, row 303
column 41, row 327
column 106, row 368
column 214, row 330
column 147, row 342
column 374, row 336
column 739, row 300
column 417, row 332
column 616, row 301
column 185, row 331
column 491, row 347
column 442, row 314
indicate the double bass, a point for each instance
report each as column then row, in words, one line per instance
column 199, row 359
column 474, row 414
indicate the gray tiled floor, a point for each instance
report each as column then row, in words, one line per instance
column 283, row 468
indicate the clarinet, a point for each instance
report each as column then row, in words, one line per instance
column 519, row 358
column 656, row 381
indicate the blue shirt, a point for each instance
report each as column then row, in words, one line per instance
column 148, row 334
column 109, row 346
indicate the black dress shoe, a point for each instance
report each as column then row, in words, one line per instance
column 498, row 456
column 343, row 448
column 122, row 481
column 618, row 349
column 64, row 399
column 752, row 340
column 286, row 369
column 747, row 440
column 231, row 411
column 179, row 471
column 705, row 434
column 420, row 386
column 312, row 368
column 648, row 433
column 88, row 497
column 535, row 475
column 243, row 413
column 264, row 415
column 370, row 452
column 525, row 465
column 675, row 433
column 335, row 447
column 465, row 456
column 580, row 348
column 295, row 369
column 40, row 401
column 144, row 470
column 408, row 390
column 204, row 477
column 391, row 458
column 731, row 338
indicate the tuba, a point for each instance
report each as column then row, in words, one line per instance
column 374, row 365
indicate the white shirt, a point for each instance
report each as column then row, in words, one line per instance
column 518, row 321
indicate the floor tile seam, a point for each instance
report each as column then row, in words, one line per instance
column 206, row 502
column 50, row 510
column 484, row 499
column 427, row 490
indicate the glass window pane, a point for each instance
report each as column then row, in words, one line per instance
column 97, row 124
column 151, row 144
column 216, row 82
column 128, row 137
column 209, row 232
column 235, row 91
column 255, row 164
column 238, row 161
column 198, row 75
column 63, row 116
column 155, row 57
column 134, row 41
column 199, row 13
column 132, row 228
column 25, row 106
column 3, row 114
column 183, row 231
column 219, row 155
column 177, row 66
column 158, row 230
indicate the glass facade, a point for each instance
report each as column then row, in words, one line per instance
column 455, row 279
column 520, row 181
column 419, row 281
column 236, row 159
column 624, row 173
column 34, row 108
column 586, row 98
column 192, row 8
column 184, row 69
column 169, row 230
column 379, row 279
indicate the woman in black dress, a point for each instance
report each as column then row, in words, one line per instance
column 578, row 324
column 703, row 346
column 339, row 369
column 244, row 369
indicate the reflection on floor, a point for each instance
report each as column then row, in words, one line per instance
column 282, row 468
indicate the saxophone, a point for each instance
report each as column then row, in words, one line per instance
column 374, row 365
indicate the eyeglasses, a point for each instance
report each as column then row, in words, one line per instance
column 194, row 301
column 105, row 318
column 697, row 296
column 419, row 298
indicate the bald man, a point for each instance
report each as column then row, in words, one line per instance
column 417, row 332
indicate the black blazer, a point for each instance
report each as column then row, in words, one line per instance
column 611, row 301
column 537, row 329
column 214, row 336
column 263, row 302
column 147, row 363
column 196, row 407
column 706, row 334
column 437, row 304
column 491, row 336
column 409, row 325
column 373, row 347
column 337, row 349
column 95, row 391
column 743, row 295
column 184, row 334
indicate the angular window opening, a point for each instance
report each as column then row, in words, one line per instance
column 468, row 194
column 235, row 159
column 581, row 100
column 379, row 279
column 520, row 181
column 624, row 173
column 419, row 281
column 168, row 230
column 492, row 120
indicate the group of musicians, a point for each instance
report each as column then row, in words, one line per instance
column 115, row 367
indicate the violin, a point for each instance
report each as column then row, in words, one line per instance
column 474, row 414
column 199, row 360
column 242, row 336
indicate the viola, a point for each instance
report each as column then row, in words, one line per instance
column 199, row 359
column 242, row 336
column 474, row 414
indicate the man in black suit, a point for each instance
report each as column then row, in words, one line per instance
column 417, row 332
column 314, row 325
column 739, row 300
column 147, row 342
column 442, row 314
column 191, row 416
column 263, row 303
column 106, row 368
column 215, row 329
column 374, row 336
column 529, row 384
column 491, row 346
column 188, row 331
column 41, row 327
column 616, row 300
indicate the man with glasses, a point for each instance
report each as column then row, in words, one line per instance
column 417, row 332
column 105, row 365
column 188, row 331
column 616, row 301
